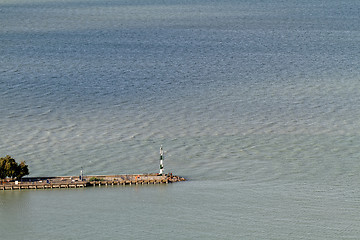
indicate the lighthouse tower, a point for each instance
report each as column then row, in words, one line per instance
column 161, row 161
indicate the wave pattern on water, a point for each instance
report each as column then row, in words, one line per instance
column 255, row 102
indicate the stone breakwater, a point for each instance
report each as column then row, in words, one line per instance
column 86, row 181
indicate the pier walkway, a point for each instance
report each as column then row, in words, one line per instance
column 86, row 181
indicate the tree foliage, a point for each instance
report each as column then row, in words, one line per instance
column 10, row 168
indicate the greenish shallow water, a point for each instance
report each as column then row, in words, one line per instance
column 196, row 209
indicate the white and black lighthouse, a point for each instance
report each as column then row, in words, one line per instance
column 161, row 161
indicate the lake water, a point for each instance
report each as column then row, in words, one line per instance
column 255, row 103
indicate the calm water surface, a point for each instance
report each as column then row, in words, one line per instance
column 256, row 103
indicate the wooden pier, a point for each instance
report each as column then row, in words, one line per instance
column 86, row 181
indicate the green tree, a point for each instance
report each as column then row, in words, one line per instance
column 23, row 170
column 2, row 168
column 10, row 168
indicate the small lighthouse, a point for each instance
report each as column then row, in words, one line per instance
column 161, row 161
